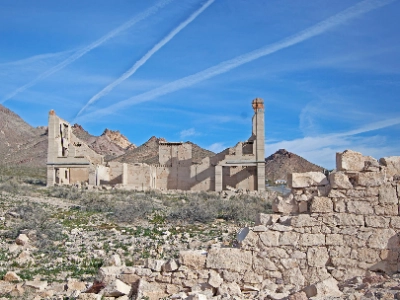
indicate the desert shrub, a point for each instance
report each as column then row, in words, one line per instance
column 10, row 186
column 95, row 202
column 205, row 207
column 65, row 192
column 35, row 181
column 132, row 205
column 34, row 218
column 23, row 173
column 243, row 208
column 194, row 209
column 139, row 208
column 20, row 180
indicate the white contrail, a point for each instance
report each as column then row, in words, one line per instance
column 150, row 11
column 35, row 58
column 146, row 57
column 338, row 19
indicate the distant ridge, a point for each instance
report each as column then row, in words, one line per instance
column 20, row 143
column 283, row 162
column 148, row 152
column 110, row 143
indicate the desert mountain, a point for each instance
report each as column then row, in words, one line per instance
column 20, row 143
column 148, row 152
column 110, row 143
column 283, row 162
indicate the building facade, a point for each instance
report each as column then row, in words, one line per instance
column 70, row 161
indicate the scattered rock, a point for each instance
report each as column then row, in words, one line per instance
column 36, row 284
column 22, row 240
column 11, row 276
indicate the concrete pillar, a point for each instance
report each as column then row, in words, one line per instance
column 124, row 174
column 52, row 134
column 92, row 176
column 259, row 131
column 51, row 176
column 97, row 176
column 218, row 178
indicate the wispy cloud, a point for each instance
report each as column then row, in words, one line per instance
column 216, row 147
column 187, row 132
column 321, row 149
column 147, row 56
column 147, row 13
column 321, row 27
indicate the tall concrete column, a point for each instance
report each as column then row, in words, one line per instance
column 52, row 151
column 218, row 178
column 124, row 174
column 92, row 176
column 259, row 130
column 51, row 176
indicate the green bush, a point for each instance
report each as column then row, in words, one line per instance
column 205, row 207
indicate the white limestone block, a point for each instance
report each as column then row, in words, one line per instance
column 339, row 180
column 353, row 161
column 302, row 180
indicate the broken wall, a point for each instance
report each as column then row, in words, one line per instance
column 240, row 177
column 326, row 230
column 140, row 176
column 116, row 171
column 103, row 174
column 78, row 175
column 80, row 149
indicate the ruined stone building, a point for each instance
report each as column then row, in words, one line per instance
column 70, row 161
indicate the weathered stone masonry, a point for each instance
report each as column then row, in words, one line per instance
column 326, row 230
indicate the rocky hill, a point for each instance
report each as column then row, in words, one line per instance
column 148, row 152
column 21, row 143
column 283, row 162
column 110, row 143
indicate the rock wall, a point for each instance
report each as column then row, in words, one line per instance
column 328, row 229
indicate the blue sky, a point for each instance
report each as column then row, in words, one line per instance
column 328, row 71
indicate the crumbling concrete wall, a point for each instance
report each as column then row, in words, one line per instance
column 140, row 176
column 80, row 149
column 116, row 170
column 69, row 160
column 326, row 230
column 78, row 175
column 240, row 177
column 239, row 167
column 103, row 174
